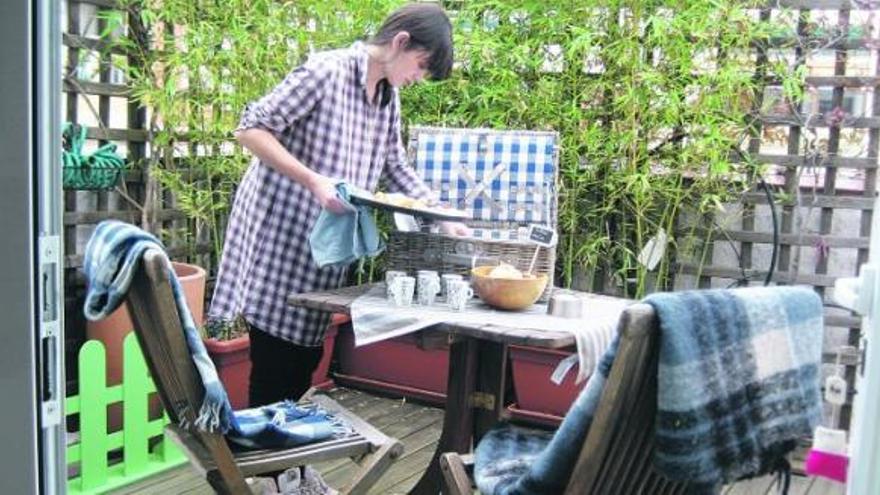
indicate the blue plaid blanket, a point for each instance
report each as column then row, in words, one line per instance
column 112, row 256
column 738, row 380
column 513, row 460
column 738, row 384
column 284, row 424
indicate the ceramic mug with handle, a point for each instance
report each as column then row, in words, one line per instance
column 460, row 292
column 444, row 282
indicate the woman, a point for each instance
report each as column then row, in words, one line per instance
column 336, row 117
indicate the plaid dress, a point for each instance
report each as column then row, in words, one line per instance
column 320, row 113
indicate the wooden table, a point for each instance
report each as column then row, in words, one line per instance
column 477, row 373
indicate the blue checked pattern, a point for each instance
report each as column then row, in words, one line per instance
column 321, row 115
column 497, row 176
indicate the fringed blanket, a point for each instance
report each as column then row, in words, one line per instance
column 111, row 259
column 738, row 384
column 738, row 380
column 512, row 460
column 284, row 424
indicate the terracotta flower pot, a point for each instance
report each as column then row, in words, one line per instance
column 112, row 330
column 539, row 400
column 233, row 362
column 321, row 376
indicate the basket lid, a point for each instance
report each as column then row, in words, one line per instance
column 497, row 176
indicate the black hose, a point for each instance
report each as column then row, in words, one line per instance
column 773, row 216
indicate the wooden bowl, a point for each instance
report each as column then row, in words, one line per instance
column 507, row 293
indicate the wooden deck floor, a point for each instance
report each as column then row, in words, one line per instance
column 418, row 427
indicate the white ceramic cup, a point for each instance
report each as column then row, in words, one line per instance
column 390, row 275
column 460, row 292
column 402, row 289
column 444, row 282
column 428, row 285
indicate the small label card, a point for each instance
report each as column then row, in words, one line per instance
column 542, row 236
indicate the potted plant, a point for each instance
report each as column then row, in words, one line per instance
column 228, row 344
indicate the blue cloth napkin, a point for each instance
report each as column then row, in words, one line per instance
column 340, row 239
column 284, row 425
column 738, row 384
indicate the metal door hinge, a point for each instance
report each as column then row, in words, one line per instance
column 483, row 400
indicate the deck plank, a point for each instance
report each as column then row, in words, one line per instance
column 418, row 427
column 416, row 431
column 399, row 423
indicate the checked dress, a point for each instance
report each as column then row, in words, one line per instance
column 321, row 114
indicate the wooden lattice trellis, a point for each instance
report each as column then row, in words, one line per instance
column 825, row 185
column 96, row 96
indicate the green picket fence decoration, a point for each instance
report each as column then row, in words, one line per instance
column 90, row 451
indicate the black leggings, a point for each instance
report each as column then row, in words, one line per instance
column 279, row 369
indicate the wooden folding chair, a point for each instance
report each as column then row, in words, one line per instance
column 616, row 455
column 151, row 304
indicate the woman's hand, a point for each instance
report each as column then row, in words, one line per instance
column 455, row 228
column 324, row 190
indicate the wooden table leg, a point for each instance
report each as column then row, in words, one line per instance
column 491, row 385
column 458, row 420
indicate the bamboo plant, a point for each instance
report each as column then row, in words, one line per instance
column 653, row 100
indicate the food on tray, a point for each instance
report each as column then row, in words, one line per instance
column 400, row 200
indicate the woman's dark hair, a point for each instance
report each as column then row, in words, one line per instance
column 429, row 29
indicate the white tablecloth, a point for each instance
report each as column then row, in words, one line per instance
column 374, row 318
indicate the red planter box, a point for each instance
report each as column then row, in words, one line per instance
column 539, row 399
column 414, row 366
column 233, row 362
column 321, row 376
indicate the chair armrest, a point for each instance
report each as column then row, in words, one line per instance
column 455, row 473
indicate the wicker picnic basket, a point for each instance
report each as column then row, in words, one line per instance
column 506, row 179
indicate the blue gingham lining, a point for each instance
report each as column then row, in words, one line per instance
column 517, row 169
